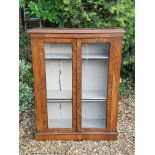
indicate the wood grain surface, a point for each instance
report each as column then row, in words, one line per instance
column 76, row 37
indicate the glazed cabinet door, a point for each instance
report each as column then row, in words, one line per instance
column 58, row 80
column 94, row 61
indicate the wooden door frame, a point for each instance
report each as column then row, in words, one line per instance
column 39, row 70
column 112, row 87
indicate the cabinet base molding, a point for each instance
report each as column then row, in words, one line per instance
column 76, row 136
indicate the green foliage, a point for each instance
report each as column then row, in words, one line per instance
column 24, row 46
column 25, row 85
column 127, row 87
column 92, row 14
column 21, row 3
column 25, row 72
column 25, row 96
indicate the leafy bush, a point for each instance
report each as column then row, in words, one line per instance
column 24, row 46
column 25, row 96
column 92, row 14
column 25, row 85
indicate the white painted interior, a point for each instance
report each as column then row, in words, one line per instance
column 95, row 56
column 59, row 123
column 59, row 84
column 58, row 48
column 93, row 123
column 59, row 75
column 67, row 94
column 94, row 79
column 94, row 75
column 94, row 111
column 59, row 112
column 67, row 56
column 101, row 49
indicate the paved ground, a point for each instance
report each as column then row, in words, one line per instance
column 125, row 145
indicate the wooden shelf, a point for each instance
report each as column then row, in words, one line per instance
column 59, row 95
column 58, row 56
column 93, row 123
column 95, row 56
column 66, row 95
column 67, row 123
column 93, row 95
column 69, row 56
column 59, row 123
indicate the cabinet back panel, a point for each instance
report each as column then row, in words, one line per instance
column 59, row 74
column 94, row 110
column 94, row 75
column 59, row 84
column 95, row 59
column 58, row 48
column 57, row 110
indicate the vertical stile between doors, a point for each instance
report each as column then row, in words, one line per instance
column 79, row 72
column 74, row 85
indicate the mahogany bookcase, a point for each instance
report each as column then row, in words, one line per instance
column 76, row 83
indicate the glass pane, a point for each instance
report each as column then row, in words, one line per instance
column 94, row 84
column 94, row 114
column 58, row 59
column 59, row 114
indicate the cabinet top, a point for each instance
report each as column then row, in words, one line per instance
column 71, row 31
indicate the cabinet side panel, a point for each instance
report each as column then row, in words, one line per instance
column 37, row 86
column 113, row 83
column 43, row 85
